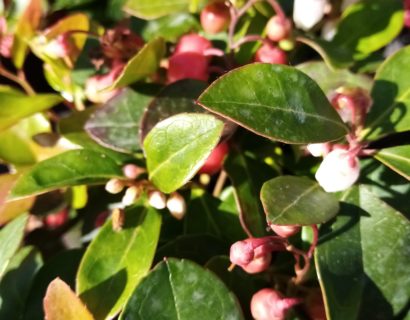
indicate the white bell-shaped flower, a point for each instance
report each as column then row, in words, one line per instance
column 318, row 149
column 338, row 171
column 307, row 13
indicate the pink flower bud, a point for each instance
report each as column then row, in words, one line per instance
column 188, row 65
column 338, row 171
column 131, row 171
column 277, row 28
column 269, row 53
column 268, row 304
column 242, row 253
column 319, row 149
column 258, row 264
column 285, row 231
column 192, row 43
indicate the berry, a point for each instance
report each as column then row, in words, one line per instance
column 215, row 17
column 338, row 171
column 269, row 53
column 186, row 65
column 192, row 43
column 56, row 220
column 285, row 231
column 268, row 304
column 215, row 160
column 277, row 28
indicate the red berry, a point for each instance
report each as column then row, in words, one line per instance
column 215, row 17
column 270, row 53
column 277, row 28
column 55, row 220
column 186, row 65
column 214, row 162
column 407, row 18
column 192, row 43
column 285, row 231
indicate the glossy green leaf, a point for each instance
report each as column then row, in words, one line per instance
column 16, row 282
column 297, row 200
column 391, row 96
column 116, row 261
column 181, row 290
column 329, row 80
column 63, row 265
column 152, row 9
column 61, row 303
column 116, row 124
column 15, row 106
column 384, row 21
column 177, row 147
column 71, row 168
column 397, row 159
column 171, row 27
column 247, row 176
column 10, row 238
column 362, row 259
column 275, row 101
column 178, row 97
column 143, row 64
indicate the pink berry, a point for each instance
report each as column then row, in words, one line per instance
column 215, row 17
column 407, row 18
column 278, row 29
column 285, row 231
column 268, row 304
column 215, row 160
column 55, row 220
column 187, row 65
column 192, row 43
column 270, row 53
column 242, row 253
column 259, row 264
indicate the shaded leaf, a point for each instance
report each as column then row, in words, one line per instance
column 116, row 261
column 60, row 303
column 177, row 147
column 275, row 101
column 362, row 259
column 290, row 200
column 397, row 159
column 175, row 282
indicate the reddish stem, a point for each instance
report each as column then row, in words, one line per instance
column 314, row 241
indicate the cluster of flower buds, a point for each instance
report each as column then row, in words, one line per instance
column 269, row 304
column 255, row 254
column 6, row 39
column 215, row 17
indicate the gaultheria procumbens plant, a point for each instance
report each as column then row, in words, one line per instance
column 204, row 159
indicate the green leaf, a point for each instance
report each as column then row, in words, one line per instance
column 15, row 285
column 275, row 101
column 391, row 96
column 116, row 261
column 384, row 21
column 182, row 290
column 171, row 27
column 362, row 259
column 178, row 97
column 330, row 80
column 15, row 106
column 10, row 238
column 290, row 200
column 152, row 9
column 61, row 303
column 177, row 147
column 116, row 124
column 397, row 159
column 63, row 265
column 247, row 176
column 70, row 168
column 143, row 64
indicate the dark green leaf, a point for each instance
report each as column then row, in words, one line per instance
column 116, row 124
column 116, row 261
column 363, row 258
column 181, row 290
column 16, row 282
column 152, row 9
column 177, row 147
column 391, row 96
column 290, row 200
column 275, row 101
column 71, row 168
column 397, row 159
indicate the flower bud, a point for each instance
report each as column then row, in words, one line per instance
column 157, row 199
column 268, row 304
column 114, row 186
column 188, row 65
column 319, row 149
column 131, row 171
column 258, row 265
column 307, row 13
column 192, row 43
column 215, row 17
column 285, row 231
column 278, row 28
column 338, row 171
column 130, row 196
column 176, row 205
column 269, row 53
